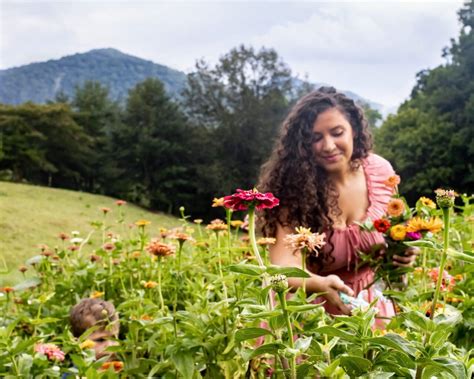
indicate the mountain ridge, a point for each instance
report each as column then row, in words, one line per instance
column 40, row 82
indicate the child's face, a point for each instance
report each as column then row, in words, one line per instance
column 103, row 338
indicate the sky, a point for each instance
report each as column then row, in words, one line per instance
column 373, row 48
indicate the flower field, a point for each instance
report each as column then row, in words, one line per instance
column 202, row 301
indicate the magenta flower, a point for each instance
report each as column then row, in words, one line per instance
column 51, row 351
column 242, row 200
column 414, row 236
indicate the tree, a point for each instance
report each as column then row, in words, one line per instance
column 99, row 116
column 241, row 102
column 151, row 149
column 430, row 140
column 42, row 144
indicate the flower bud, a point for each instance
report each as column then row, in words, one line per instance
column 445, row 198
column 279, row 283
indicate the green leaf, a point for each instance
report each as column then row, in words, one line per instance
column 29, row 283
column 34, row 260
column 302, row 370
column 302, row 344
column 393, row 341
column 464, row 256
column 249, row 333
column 444, row 364
column 269, row 348
column 423, row 243
column 396, row 361
column 354, row 365
column 418, row 321
column 46, row 320
column 302, row 308
column 290, row 272
column 262, row 315
column 184, row 363
column 246, row 269
column 449, row 318
column 334, row 332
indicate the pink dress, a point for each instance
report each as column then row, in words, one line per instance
column 351, row 239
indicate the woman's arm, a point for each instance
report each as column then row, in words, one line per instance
column 281, row 255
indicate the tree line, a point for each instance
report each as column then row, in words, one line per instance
column 163, row 154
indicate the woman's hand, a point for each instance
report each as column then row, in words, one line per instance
column 332, row 285
column 408, row 259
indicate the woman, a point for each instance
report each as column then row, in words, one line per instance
column 326, row 178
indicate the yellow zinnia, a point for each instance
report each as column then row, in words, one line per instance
column 87, row 344
column 218, row 202
column 417, row 224
column 96, row 294
column 427, row 202
column 398, row 232
column 142, row 223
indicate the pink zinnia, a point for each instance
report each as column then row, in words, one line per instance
column 51, row 351
column 109, row 246
column 414, row 236
column 242, row 200
column 447, row 281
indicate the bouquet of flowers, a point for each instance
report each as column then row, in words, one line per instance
column 399, row 225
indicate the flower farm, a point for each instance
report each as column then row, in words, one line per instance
column 203, row 301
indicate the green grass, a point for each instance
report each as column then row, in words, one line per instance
column 32, row 215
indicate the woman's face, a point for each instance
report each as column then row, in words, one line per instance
column 333, row 141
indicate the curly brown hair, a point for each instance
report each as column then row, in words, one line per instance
column 307, row 197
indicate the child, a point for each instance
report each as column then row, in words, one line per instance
column 90, row 313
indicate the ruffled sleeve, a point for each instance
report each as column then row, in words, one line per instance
column 377, row 171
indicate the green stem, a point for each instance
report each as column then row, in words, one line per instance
column 228, row 213
column 180, row 248
column 253, row 241
column 282, row 297
column 443, row 259
column 219, row 265
column 303, row 267
column 162, row 303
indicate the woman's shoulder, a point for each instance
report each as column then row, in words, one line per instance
column 378, row 166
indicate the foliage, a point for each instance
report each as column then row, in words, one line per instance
column 430, row 140
column 150, row 149
column 241, row 101
column 43, row 144
column 202, row 332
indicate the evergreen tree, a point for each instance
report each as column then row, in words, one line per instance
column 99, row 116
column 151, row 149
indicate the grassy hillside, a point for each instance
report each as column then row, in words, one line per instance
column 32, row 215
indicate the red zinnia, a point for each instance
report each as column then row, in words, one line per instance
column 242, row 200
column 382, row 225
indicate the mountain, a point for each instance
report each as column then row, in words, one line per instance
column 40, row 82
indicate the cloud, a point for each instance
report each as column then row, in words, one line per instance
column 372, row 47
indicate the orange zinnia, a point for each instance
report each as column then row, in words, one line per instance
column 392, row 181
column 116, row 365
column 395, row 207
column 417, row 224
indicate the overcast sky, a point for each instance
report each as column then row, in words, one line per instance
column 374, row 48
